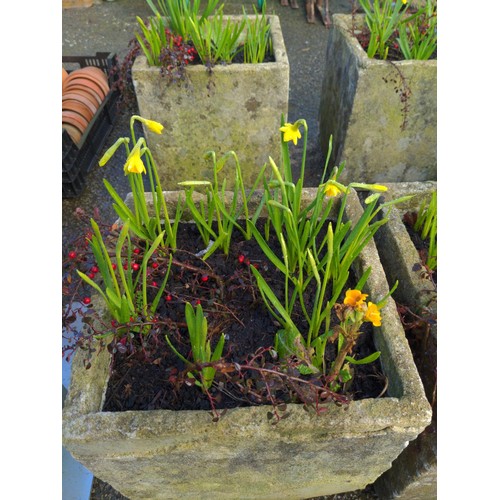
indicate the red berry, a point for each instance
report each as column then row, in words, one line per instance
column 125, row 266
column 153, row 283
column 137, row 251
column 136, row 266
column 87, row 300
column 204, row 278
column 113, row 265
column 198, row 302
column 154, row 265
column 241, row 258
column 94, row 269
column 91, row 276
column 168, row 298
column 72, row 255
column 247, row 261
column 114, row 323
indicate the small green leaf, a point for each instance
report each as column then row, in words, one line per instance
column 369, row 359
column 306, row 370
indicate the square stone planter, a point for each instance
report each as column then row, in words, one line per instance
column 236, row 107
column 382, row 114
column 165, row 454
column 414, row 473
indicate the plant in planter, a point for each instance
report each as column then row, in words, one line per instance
column 425, row 224
column 379, row 105
column 305, row 453
column 229, row 97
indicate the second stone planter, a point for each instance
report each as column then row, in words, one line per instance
column 233, row 107
column 382, row 115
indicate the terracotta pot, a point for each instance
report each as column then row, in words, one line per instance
column 86, row 81
column 83, row 97
column 99, row 77
column 75, row 119
column 92, row 92
column 73, row 132
column 96, row 73
column 77, row 107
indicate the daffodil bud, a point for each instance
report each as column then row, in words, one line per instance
column 153, row 126
column 112, row 150
column 369, row 187
column 373, row 197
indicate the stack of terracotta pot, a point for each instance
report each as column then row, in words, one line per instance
column 83, row 91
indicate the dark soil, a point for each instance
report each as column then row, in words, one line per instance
column 150, row 376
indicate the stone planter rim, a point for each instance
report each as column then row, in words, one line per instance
column 278, row 45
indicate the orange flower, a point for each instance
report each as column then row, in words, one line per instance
column 373, row 314
column 355, row 298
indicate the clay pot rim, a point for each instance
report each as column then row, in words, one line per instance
column 84, row 99
column 82, row 77
column 98, row 73
column 73, row 132
column 75, row 119
column 84, row 88
column 78, row 107
column 83, row 92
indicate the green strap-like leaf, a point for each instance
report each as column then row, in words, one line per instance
column 364, row 361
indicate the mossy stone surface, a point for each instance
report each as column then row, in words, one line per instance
column 382, row 114
column 235, row 107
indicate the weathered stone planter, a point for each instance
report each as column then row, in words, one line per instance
column 172, row 455
column 236, row 107
column 414, row 473
column 382, row 115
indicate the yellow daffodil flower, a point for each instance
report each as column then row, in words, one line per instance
column 134, row 163
column 404, row 2
column 355, row 298
column 373, row 314
column 153, row 126
column 331, row 190
column 291, row 132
